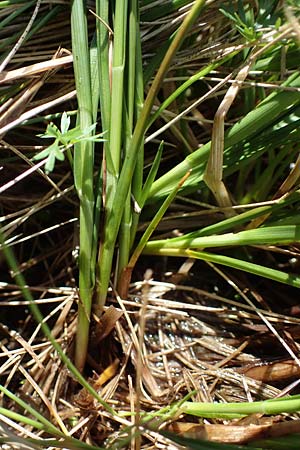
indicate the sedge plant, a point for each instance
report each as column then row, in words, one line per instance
column 115, row 198
column 111, row 203
column 106, row 151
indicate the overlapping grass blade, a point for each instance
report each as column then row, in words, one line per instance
column 40, row 422
column 13, row 15
column 38, row 24
column 184, row 86
column 132, row 107
column 138, row 90
column 274, row 109
column 280, row 235
column 243, row 218
column 84, row 176
column 246, row 266
column 126, row 275
column 151, row 10
column 114, row 216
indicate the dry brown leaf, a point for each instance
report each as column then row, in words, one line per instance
column 106, row 324
column 235, row 434
column 34, row 69
column 276, row 371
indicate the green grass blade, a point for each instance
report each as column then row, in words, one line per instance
column 11, row 17
column 103, row 45
column 95, row 81
column 5, row 3
column 256, row 269
column 154, row 222
column 236, row 410
column 247, row 216
column 152, row 174
column 290, row 442
column 117, row 89
column 151, row 12
column 113, row 219
column 124, row 237
column 280, row 235
column 83, row 174
column 126, row 275
column 133, row 100
column 95, row 89
column 137, row 180
column 155, row 61
column 41, row 423
column 38, row 24
column 184, row 86
column 255, row 122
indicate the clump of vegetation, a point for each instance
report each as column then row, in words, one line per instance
column 155, row 239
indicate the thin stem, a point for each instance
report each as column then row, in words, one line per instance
column 83, row 174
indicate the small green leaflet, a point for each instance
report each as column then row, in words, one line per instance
column 63, row 140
